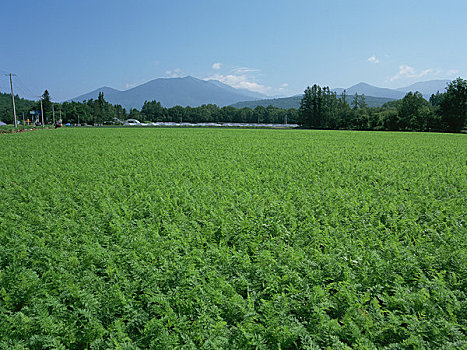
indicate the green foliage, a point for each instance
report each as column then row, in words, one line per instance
column 294, row 102
column 92, row 111
column 153, row 111
column 46, row 107
column 414, row 112
column 6, row 108
column 453, row 105
column 322, row 109
column 206, row 238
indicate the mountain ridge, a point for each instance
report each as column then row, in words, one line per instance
column 190, row 91
column 186, row 91
column 375, row 96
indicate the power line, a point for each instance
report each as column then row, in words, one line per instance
column 23, row 92
column 28, row 90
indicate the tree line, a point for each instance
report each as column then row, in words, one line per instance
column 100, row 111
column 320, row 108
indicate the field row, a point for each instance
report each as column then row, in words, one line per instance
column 210, row 238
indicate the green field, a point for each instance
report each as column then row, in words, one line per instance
column 205, row 238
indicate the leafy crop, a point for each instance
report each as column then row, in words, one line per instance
column 203, row 238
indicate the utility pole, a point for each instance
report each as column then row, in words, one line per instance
column 12, row 95
column 53, row 114
column 42, row 113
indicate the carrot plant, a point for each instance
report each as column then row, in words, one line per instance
column 207, row 238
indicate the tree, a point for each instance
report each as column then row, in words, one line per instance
column 260, row 112
column 135, row 114
column 176, row 114
column 344, row 113
column 306, row 108
column 355, row 102
column 359, row 102
column 312, row 107
column 453, row 106
column 153, row 111
column 435, row 100
column 330, row 108
column 46, row 105
column 413, row 112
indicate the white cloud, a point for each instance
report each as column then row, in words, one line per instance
column 282, row 87
column 240, row 82
column 452, row 72
column 176, row 73
column 217, row 66
column 406, row 71
column 244, row 70
column 373, row 59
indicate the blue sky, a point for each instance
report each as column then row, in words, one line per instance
column 274, row 47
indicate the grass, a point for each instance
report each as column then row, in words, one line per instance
column 207, row 238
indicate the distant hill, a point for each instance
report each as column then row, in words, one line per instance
column 108, row 94
column 370, row 90
column 284, row 103
column 187, row 91
column 294, row 102
column 427, row 88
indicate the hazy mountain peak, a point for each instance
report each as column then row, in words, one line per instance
column 183, row 91
column 108, row 91
column 426, row 88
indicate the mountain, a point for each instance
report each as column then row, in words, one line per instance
column 374, row 96
column 370, row 90
column 283, row 102
column 427, row 88
column 294, row 102
column 108, row 93
column 187, row 91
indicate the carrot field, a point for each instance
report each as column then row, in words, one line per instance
column 232, row 238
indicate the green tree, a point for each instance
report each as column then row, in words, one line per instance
column 46, row 105
column 136, row 114
column 153, row 111
column 306, row 107
column 453, row 106
column 312, row 107
column 435, row 100
column 359, row 102
column 413, row 112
